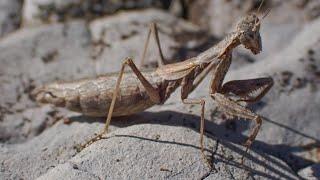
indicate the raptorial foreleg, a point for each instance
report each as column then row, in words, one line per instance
column 234, row 109
column 248, row 90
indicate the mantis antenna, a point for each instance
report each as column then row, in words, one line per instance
column 258, row 10
column 260, row 6
column 265, row 15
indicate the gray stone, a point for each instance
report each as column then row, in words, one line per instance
column 42, row 11
column 311, row 172
column 35, row 157
column 162, row 142
column 10, row 16
column 124, row 35
column 165, row 151
column 23, row 67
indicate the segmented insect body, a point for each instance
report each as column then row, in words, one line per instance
column 135, row 91
column 93, row 96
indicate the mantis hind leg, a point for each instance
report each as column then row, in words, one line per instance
column 153, row 30
column 187, row 87
column 152, row 92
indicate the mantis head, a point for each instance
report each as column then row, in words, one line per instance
column 248, row 31
column 249, row 35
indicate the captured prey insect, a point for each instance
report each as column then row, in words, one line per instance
column 126, row 93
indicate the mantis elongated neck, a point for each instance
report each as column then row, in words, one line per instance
column 224, row 46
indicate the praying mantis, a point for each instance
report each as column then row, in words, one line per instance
column 125, row 93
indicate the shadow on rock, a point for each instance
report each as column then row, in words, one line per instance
column 222, row 133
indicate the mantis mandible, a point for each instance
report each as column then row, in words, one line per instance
column 126, row 93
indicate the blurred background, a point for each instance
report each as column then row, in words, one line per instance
column 46, row 40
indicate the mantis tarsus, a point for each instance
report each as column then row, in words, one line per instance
column 125, row 93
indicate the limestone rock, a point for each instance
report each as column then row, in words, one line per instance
column 10, row 16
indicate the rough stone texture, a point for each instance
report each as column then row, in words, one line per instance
column 41, row 11
column 278, row 28
column 311, row 172
column 34, row 56
column 162, row 142
column 23, row 66
column 35, row 157
column 164, row 151
column 10, row 16
column 122, row 36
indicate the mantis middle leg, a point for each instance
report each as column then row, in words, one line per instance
column 187, row 87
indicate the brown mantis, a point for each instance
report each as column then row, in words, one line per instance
column 140, row 90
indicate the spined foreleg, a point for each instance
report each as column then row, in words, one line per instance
column 251, row 90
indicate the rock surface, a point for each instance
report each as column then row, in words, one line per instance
column 163, row 151
column 124, row 35
column 311, row 172
column 33, row 158
column 26, row 57
column 43, row 11
column 10, row 16
column 162, row 142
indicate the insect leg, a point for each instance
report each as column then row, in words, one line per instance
column 249, row 90
column 152, row 92
column 202, row 103
column 186, row 87
column 153, row 30
column 233, row 108
column 202, row 75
